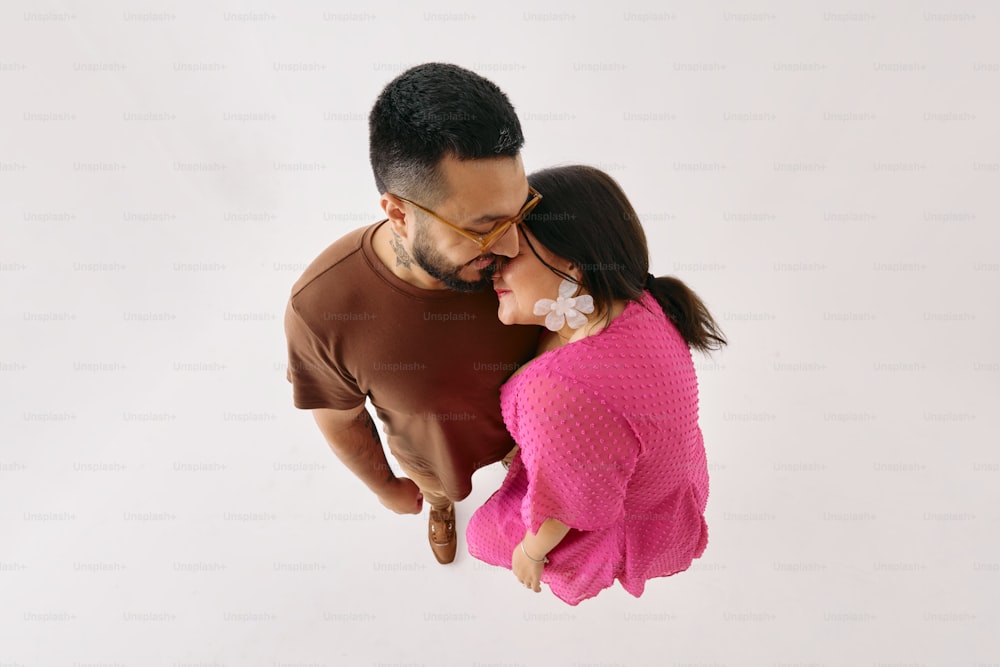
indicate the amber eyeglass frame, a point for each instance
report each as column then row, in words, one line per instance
column 484, row 241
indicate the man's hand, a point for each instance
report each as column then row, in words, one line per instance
column 402, row 496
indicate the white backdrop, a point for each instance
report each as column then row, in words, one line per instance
column 824, row 175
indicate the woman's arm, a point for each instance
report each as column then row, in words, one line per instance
column 550, row 534
column 528, row 558
column 581, row 453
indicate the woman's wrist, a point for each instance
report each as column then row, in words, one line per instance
column 543, row 559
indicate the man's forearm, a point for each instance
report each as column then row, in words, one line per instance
column 359, row 448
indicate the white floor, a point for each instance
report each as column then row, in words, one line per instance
column 210, row 541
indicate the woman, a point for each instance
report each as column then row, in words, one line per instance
column 610, row 478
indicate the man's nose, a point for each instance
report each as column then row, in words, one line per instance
column 507, row 244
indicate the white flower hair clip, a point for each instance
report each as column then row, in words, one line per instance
column 566, row 309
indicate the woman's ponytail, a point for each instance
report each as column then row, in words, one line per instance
column 688, row 313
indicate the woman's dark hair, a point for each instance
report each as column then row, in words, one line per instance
column 584, row 217
column 430, row 111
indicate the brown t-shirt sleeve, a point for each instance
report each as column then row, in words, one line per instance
column 317, row 381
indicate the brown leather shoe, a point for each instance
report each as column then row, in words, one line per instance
column 441, row 534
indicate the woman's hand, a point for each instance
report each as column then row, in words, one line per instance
column 522, row 562
column 527, row 571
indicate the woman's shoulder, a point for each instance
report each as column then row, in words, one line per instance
column 639, row 338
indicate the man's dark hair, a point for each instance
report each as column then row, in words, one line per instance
column 585, row 217
column 430, row 111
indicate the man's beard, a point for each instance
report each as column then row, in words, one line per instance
column 433, row 262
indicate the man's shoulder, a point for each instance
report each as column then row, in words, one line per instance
column 344, row 251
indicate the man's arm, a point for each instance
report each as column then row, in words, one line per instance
column 353, row 437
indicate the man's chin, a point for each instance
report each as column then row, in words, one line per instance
column 460, row 285
column 465, row 279
column 471, row 280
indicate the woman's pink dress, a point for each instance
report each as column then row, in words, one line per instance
column 609, row 441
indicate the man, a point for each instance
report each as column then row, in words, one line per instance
column 401, row 312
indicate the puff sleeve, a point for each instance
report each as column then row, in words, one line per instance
column 578, row 452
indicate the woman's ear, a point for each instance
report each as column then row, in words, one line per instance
column 575, row 272
column 393, row 207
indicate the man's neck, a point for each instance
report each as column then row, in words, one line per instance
column 391, row 252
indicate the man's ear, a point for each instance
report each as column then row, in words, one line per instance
column 395, row 211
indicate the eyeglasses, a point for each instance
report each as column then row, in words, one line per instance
column 484, row 241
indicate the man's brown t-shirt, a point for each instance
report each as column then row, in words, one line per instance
column 431, row 361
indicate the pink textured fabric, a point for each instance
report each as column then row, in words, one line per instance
column 610, row 445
